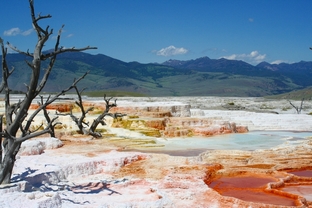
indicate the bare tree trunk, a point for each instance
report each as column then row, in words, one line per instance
column 8, row 164
column 82, row 126
column 10, row 149
column 79, row 121
column 100, row 118
column 16, row 113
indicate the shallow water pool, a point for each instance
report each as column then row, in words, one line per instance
column 190, row 146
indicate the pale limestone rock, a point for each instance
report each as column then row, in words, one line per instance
column 155, row 110
column 37, row 146
column 197, row 113
column 143, row 180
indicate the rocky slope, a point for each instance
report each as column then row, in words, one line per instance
column 202, row 76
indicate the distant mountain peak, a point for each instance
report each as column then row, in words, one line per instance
column 204, row 57
column 263, row 63
column 266, row 65
column 174, row 63
column 205, row 76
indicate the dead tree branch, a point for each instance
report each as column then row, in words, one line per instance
column 80, row 121
column 298, row 109
column 17, row 113
column 101, row 118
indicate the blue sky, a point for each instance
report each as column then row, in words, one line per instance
column 155, row 31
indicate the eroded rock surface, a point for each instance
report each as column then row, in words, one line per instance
column 86, row 173
column 154, row 119
column 98, row 173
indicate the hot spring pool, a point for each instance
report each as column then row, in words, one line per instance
column 191, row 146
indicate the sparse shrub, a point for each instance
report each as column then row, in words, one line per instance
column 133, row 116
column 265, row 106
column 101, row 131
column 286, row 108
column 60, row 126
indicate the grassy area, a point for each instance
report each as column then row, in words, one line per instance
column 294, row 95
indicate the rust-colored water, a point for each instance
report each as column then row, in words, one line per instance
column 302, row 173
column 240, row 182
column 301, row 190
column 249, row 188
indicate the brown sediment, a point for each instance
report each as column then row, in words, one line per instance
column 61, row 107
column 258, row 166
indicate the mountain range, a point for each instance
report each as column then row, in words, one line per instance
column 199, row 77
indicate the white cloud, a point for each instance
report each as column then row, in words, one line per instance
column 16, row 31
column 254, row 57
column 231, row 57
column 27, row 32
column 278, row 62
column 250, row 19
column 12, row 32
column 171, row 51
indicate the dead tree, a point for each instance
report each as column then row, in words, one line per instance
column 17, row 127
column 298, row 109
column 101, row 118
column 82, row 125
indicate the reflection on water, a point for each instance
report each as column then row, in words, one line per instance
column 250, row 141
